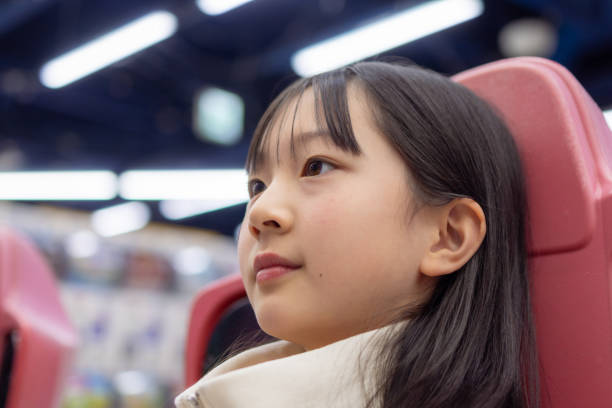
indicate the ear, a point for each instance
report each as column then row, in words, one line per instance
column 459, row 229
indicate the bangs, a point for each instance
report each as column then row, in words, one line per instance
column 331, row 114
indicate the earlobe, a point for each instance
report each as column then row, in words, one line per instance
column 459, row 229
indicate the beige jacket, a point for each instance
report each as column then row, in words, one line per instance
column 282, row 375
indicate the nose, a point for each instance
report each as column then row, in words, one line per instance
column 270, row 212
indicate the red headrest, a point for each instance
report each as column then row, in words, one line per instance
column 563, row 139
column 566, row 148
column 207, row 309
column 32, row 317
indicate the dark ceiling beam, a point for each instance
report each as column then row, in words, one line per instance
column 16, row 12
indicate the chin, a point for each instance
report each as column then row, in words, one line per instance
column 274, row 321
column 293, row 329
column 279, row 326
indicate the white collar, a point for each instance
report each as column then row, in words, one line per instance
column 281, row 374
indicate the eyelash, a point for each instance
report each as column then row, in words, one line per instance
column 255, row 182
column 251, row 187
column 315, row 160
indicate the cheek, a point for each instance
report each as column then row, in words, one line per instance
column 356, row 239
column 335, row 236
column 352, row 219
column 322, row 214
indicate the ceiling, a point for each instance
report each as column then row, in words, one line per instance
column 136, row 114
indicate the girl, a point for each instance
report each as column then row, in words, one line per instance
column 384, row 244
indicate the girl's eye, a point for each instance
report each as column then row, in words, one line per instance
column 316, row 167
column 256, row 186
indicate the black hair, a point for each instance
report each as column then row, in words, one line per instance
column 471, row 344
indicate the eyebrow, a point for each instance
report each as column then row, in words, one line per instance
column 303, row 138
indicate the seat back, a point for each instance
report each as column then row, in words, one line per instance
column 37, row 339
column 208, row 309
column 566, row 148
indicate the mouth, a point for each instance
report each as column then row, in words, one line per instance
column 268, row 266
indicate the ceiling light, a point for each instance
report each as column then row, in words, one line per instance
column 528, row 36
column 120, row 219
column 58, row 185
column 218, row 116
column 608, row 116
column 108, row 49
column 216, row 7
column 180, row 209
column 184, row 185
column 385, row 34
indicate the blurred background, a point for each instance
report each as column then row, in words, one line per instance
column 124, row 126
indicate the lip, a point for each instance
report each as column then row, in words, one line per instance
column 269, row 266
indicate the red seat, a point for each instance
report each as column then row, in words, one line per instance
column 209, row 306
column 566, row 148
column 37, row 338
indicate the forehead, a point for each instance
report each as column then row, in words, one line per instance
column 318, row 107
column 293, row 126
column 300, row 113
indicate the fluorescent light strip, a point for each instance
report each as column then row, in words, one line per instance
column 58, row 185
column 383, row 35
column 205, row 185
column 112, row 47
column 120, row 219
column 608, row 117
column 216, row 7
column 180, row 209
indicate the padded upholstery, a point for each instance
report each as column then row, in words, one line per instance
column 209, row 306
column 566, row 148
column 563, row 140
column 38, row 338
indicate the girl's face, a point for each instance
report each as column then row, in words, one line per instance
column 347, row 245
